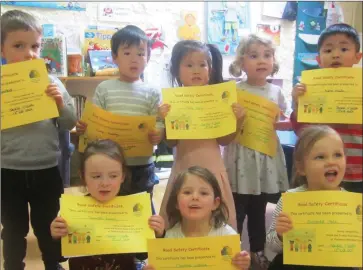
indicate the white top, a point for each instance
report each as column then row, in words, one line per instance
column 176, row 232
column 252, row 172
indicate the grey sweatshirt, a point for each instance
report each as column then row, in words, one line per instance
column 35, row 146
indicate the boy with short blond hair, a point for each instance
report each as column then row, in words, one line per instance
column 29, row 156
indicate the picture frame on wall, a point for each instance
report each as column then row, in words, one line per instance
column 227, row 21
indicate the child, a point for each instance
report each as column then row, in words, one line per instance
column 339, row 46
column 319, row 162
column 29, row 155
column 196, row 64
column 196, row 208
column 253, row 175
column 103, row 171
column 128, row 95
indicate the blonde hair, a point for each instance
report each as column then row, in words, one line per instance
column 307, row 139
column 243, row 47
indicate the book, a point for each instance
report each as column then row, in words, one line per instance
column 97, row 40
column 101, row 63
column 54, row 52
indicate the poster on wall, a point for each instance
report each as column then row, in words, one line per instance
column 116, row 12
column 271, row 31
column 70, row 5
column 189, row 30
column 227, row 21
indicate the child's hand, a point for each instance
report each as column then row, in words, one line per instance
column 163, row 110
column 242, row 260
column 298, row 90
column 283, row 224
column 157, row 223
column 58, row 228
column 238, row 111
column 54, row 92
column 155, row 136
column 148, row 267
column 81, row 127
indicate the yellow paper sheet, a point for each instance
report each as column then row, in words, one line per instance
column 333, row 95
column 119, row 226
column 200, row 112
column 131, row 132
column 327, row 228
column 258, row 129
column 23, row 98
column 204, row 253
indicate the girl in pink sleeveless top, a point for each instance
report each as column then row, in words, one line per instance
column 196, row 64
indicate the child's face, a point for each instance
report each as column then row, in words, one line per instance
column 103, row 176
column 194, row 70
column 258, row 61
column 131, row 61
column 324, row 166
column 21, row 46
column 196, row 199
column 338, row 51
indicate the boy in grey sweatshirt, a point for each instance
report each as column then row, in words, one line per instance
column 29, row 156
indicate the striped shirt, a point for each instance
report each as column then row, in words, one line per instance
column 125, row 98
column 273, row 242
column 353, row 144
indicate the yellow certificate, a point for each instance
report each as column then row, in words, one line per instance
column 205, row 253
column 23, row 97
column 258, row 129
column 333, row 95
column 118, row 226
column 200, row 112
column 327, row 228
column 131, row 132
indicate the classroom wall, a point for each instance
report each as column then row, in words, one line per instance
column 168, row 16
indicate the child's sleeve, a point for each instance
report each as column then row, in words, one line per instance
column 67, row 116
column 282, row 102
column 272, row 240
column 155, row 102
column 99, row 97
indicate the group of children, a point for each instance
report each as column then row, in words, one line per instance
column 207, row 194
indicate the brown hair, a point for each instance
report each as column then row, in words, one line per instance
column 14, row 20
column 307, row 139
column 219, row 216
column 105, row 147
column 243, row 47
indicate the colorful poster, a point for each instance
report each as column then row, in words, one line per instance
column 258, row 131
column 204, row 253
column 23, row 97
column 333, row 95
column 131, row 132
column 327, row 228
column 271, row 31
column 200, row 112
column 67, row 5
column 227, row 21
column 94, row 228
column 189, row 30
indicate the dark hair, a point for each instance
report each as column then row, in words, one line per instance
column 219, row 216
column 14, row 20
column 307, row 139
column 105, row 147
column 212, row 53
column 243, row 47
column 340, row 28
column 130, row 35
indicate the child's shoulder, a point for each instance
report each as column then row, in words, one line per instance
column 297, row 189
